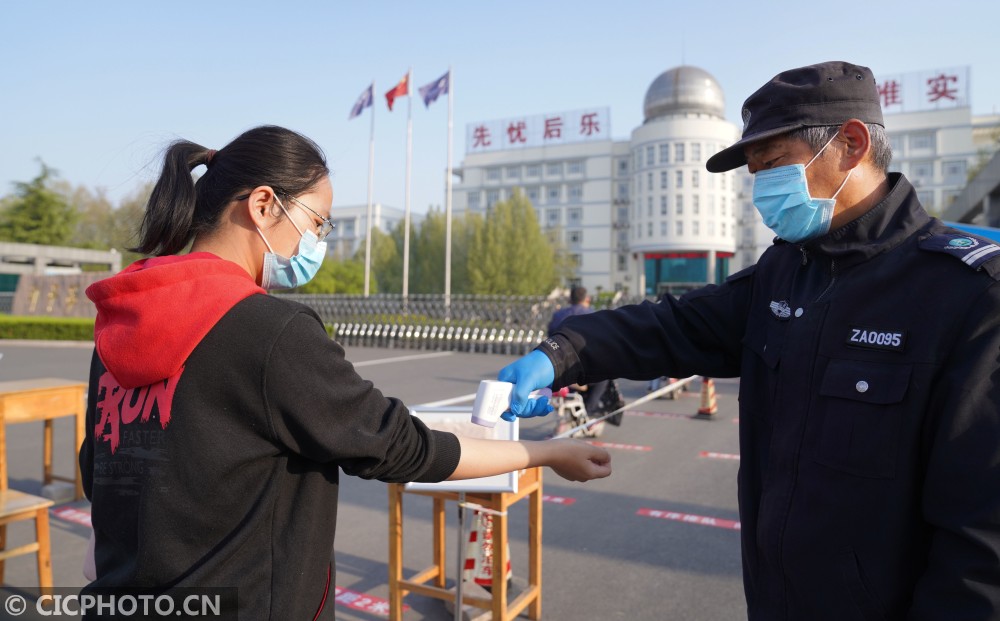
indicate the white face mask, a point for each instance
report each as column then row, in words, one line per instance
column 289, row 272
column 781, row 195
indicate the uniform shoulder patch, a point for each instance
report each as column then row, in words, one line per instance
column 972, row 250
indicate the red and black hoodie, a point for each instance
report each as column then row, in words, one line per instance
column 217, row 419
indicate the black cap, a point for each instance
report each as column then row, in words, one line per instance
column 818, row 95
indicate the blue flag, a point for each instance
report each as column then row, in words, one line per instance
column 364, row 101
column 430, row 92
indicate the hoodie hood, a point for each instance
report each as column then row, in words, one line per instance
column 152, row 314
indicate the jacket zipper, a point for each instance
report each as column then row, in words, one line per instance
column 833, row 279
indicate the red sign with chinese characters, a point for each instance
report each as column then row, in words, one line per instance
column 539, row 130
column 934, row 89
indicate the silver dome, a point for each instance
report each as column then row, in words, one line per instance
column 684, row 89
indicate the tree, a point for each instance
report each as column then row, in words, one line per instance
column 37, row 214
column 510, row 255
column 386, row 262
column 337, row 277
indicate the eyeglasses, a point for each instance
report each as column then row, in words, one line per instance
column 326, row 225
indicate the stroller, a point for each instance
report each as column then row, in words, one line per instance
column 571, row 412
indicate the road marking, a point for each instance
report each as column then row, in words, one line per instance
column 558, row 500
column 711, row 455
column 700, row 520
column 659, row 415
column 628, row 447
column 69, row 514
column 361, row 601
column 371, row 363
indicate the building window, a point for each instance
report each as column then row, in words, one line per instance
column 722, row 208
column 575, row 167
column 623, row 190
column 711, row 203
column 532, row 194
column 679, row 228
column 954, row 171
column 492, row 198
column 696, row 152
column 663, row 228
column 694, row 228
column 711, row 228
column 574, row 216
column 664, row 153
column 349, row 228
column 574, row 238
column 534, row 170
column 552, row 217
column 663, row 204
column 622, row 262
column 493, row 174
column 553, row 169
column 576, row 193
column 638, row 230
column 513, row 172
column 638, row 159
column 924, row 140
column 695, row 203
column 679, row 204
column 679, row 152
column 922, row 172
column 650, row 155
column 474, row 200
column 926, row 198
column 723, row 225
column 622, row 167
column 679, row 179
column 649, row 229
column 622, row 214
column 552, row 194
column 694, row 179
column 576, row 259
column 649, row 207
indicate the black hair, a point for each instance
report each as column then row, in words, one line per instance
column 577, row 295
column 180, row 208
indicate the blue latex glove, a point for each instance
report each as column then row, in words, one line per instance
column 528, row 373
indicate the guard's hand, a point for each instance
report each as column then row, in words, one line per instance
column 528, row 373
column 579, row 461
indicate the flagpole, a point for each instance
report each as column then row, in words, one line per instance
column 406, row 217
column 447, row 206
column 368, row 212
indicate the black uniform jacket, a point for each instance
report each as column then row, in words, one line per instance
column 869, row 359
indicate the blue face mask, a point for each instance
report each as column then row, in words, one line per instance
column 289, row 272
column 781, row 195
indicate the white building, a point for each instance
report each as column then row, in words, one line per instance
column 352, row 225
column 641, row 214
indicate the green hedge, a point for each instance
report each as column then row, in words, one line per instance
column 46, row 328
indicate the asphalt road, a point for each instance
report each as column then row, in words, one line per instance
column 633, row 546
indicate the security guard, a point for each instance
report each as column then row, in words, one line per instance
column 867, row 340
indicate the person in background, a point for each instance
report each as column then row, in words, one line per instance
column 219, row 417
column 867, row 343
column 579, row 304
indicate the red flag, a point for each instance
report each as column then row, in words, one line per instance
column 401, row 89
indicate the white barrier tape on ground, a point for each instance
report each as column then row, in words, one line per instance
column 656, row 393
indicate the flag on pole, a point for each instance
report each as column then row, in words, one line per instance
column 364, row 101
column 400, row 90
column 430, row 92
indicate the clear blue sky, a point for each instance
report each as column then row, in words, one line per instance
column 98, row 89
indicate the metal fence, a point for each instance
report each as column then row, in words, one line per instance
column 6, row 302
column 472, row 323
